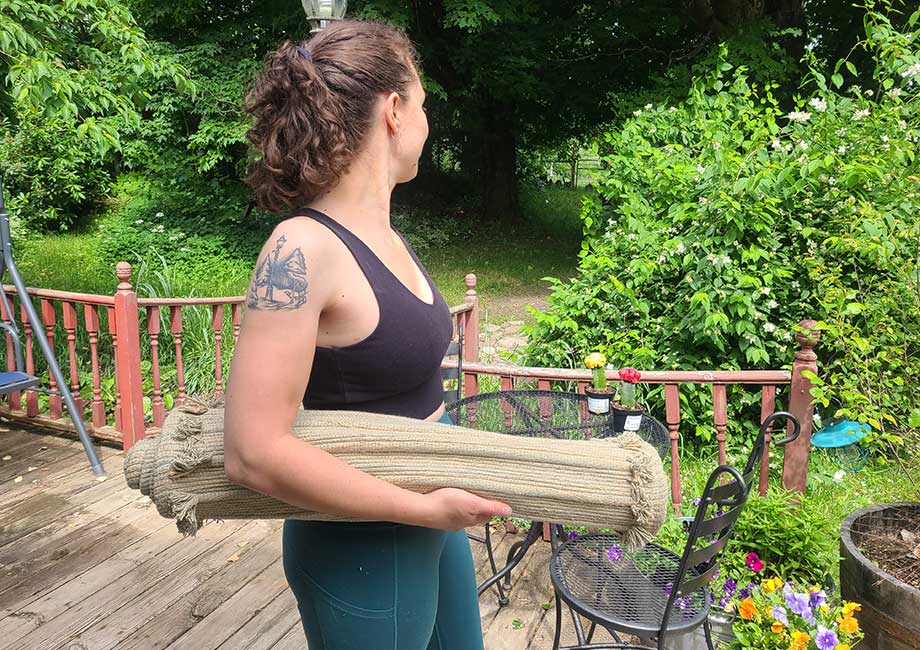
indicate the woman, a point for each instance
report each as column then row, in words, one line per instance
column 341, row 315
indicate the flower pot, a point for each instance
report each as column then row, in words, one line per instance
column 598, row 400
column 625, row 419
column 722, row 634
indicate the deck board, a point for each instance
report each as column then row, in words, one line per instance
column 89, row 565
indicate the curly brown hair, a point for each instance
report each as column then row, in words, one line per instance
column 312, row 107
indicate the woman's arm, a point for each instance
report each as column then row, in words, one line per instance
column 293, row 282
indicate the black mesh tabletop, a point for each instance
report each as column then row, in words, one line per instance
column 627, row 589
column 547, row 413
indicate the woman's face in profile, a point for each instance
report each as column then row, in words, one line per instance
column 412, row 134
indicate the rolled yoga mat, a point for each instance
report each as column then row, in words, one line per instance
column 615, row 483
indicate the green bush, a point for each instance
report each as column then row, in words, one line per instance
column 719, row 223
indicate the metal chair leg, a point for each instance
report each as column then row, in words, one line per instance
column 707, row 631
column 502, row 596
column 558, row 633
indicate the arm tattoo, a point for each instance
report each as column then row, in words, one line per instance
column 280, row 282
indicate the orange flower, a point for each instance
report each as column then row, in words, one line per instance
column 848, row 624
column 849, row 608
column 747, row 609
column 799, row 640
column 777, row 627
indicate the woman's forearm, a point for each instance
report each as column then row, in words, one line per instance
column 305, row 476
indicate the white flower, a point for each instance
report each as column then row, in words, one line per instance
column 716, row 145
column 703, row 200
column 637, row 113
column 700, row 169
column 631, row 236
column 648, row 107
column 788, row 147
column 912, row 71
column 841, row 150
column 799, row 116
column 870, row 92
column 776, row 144
column 765, row 291
column 681, row 249
column 884, row 138
column 184, row 249
column 902, row 125
column 159, row 214
column 838, row 476
column 673, row 109
column 795, row 284
column 769, row 328
column 802, row 159
column 818, row 104
column 858, row 115
column 139, row 221
column 803, row 145
column 772, row 304
column 725, row 260
column 832, row 181
column 842, row 131
column 895, row 92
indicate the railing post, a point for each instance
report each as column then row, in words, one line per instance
column 128, row 359
column 471, row 336
column 801, row 405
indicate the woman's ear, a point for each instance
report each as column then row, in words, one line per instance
column 391, row 112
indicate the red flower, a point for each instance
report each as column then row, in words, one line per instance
column 630, row 374
column 754, row 563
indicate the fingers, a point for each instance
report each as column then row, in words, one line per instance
column 499, row 509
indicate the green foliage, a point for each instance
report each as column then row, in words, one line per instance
column 719, row 223
column 74, row 78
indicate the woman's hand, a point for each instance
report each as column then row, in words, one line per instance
column 455, row 509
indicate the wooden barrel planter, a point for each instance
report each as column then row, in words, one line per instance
column 890, row 615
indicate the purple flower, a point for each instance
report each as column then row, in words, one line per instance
column 744, row 593
column 729, row 586
column 668, row 588
column 809, row 616
column 696, row 501
column 779, row 613
column 573, row 534
column 723, row 601
column 798, row 603
column 826, row 639
column 817, row 598
column 716, row 574
column 615, row 553
column 712, row 598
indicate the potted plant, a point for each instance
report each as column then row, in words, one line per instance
column 627, row 412
column 598, row 392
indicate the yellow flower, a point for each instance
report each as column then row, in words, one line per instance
column 825, row 608
column 777, row 627
column 848, row 624
column 771, row 584
column 799, row 640
column 747, row 609
column 595, row 360
column 849, row 608
column 841, row 646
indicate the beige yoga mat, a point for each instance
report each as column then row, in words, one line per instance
column 615, row 483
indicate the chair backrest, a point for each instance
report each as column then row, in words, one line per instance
column 454, row 373
column 752, row 465
column 720, row 506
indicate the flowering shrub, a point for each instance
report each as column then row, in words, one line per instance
column 777, row 616
column 720, row 222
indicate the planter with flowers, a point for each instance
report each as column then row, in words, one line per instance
column 598, row 392
column 627, row 412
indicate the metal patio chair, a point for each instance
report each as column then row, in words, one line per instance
column 653, row 592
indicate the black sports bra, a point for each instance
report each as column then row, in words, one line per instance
column 397, row 369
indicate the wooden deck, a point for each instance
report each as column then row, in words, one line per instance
column 89, row 565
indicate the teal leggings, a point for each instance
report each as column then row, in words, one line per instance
column 382, row 586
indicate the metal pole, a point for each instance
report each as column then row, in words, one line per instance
column 7, row 264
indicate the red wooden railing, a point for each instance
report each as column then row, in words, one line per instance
column 112, row 335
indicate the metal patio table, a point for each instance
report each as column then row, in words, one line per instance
column 539, row 413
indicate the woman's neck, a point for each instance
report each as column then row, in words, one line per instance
column 360, row 201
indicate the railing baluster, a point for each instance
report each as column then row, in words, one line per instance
column 15, row 399
column 507, row 384
column 70, row 326
column 175, row 326
column 767, row 406
column 545, row 402
column 672, row 415
column 31, row 395
column 49, row 320
column 153, row 331
column 113, row 330
column 91, row 319
column 217, row 324
column 236, row 317
column 720, row 417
